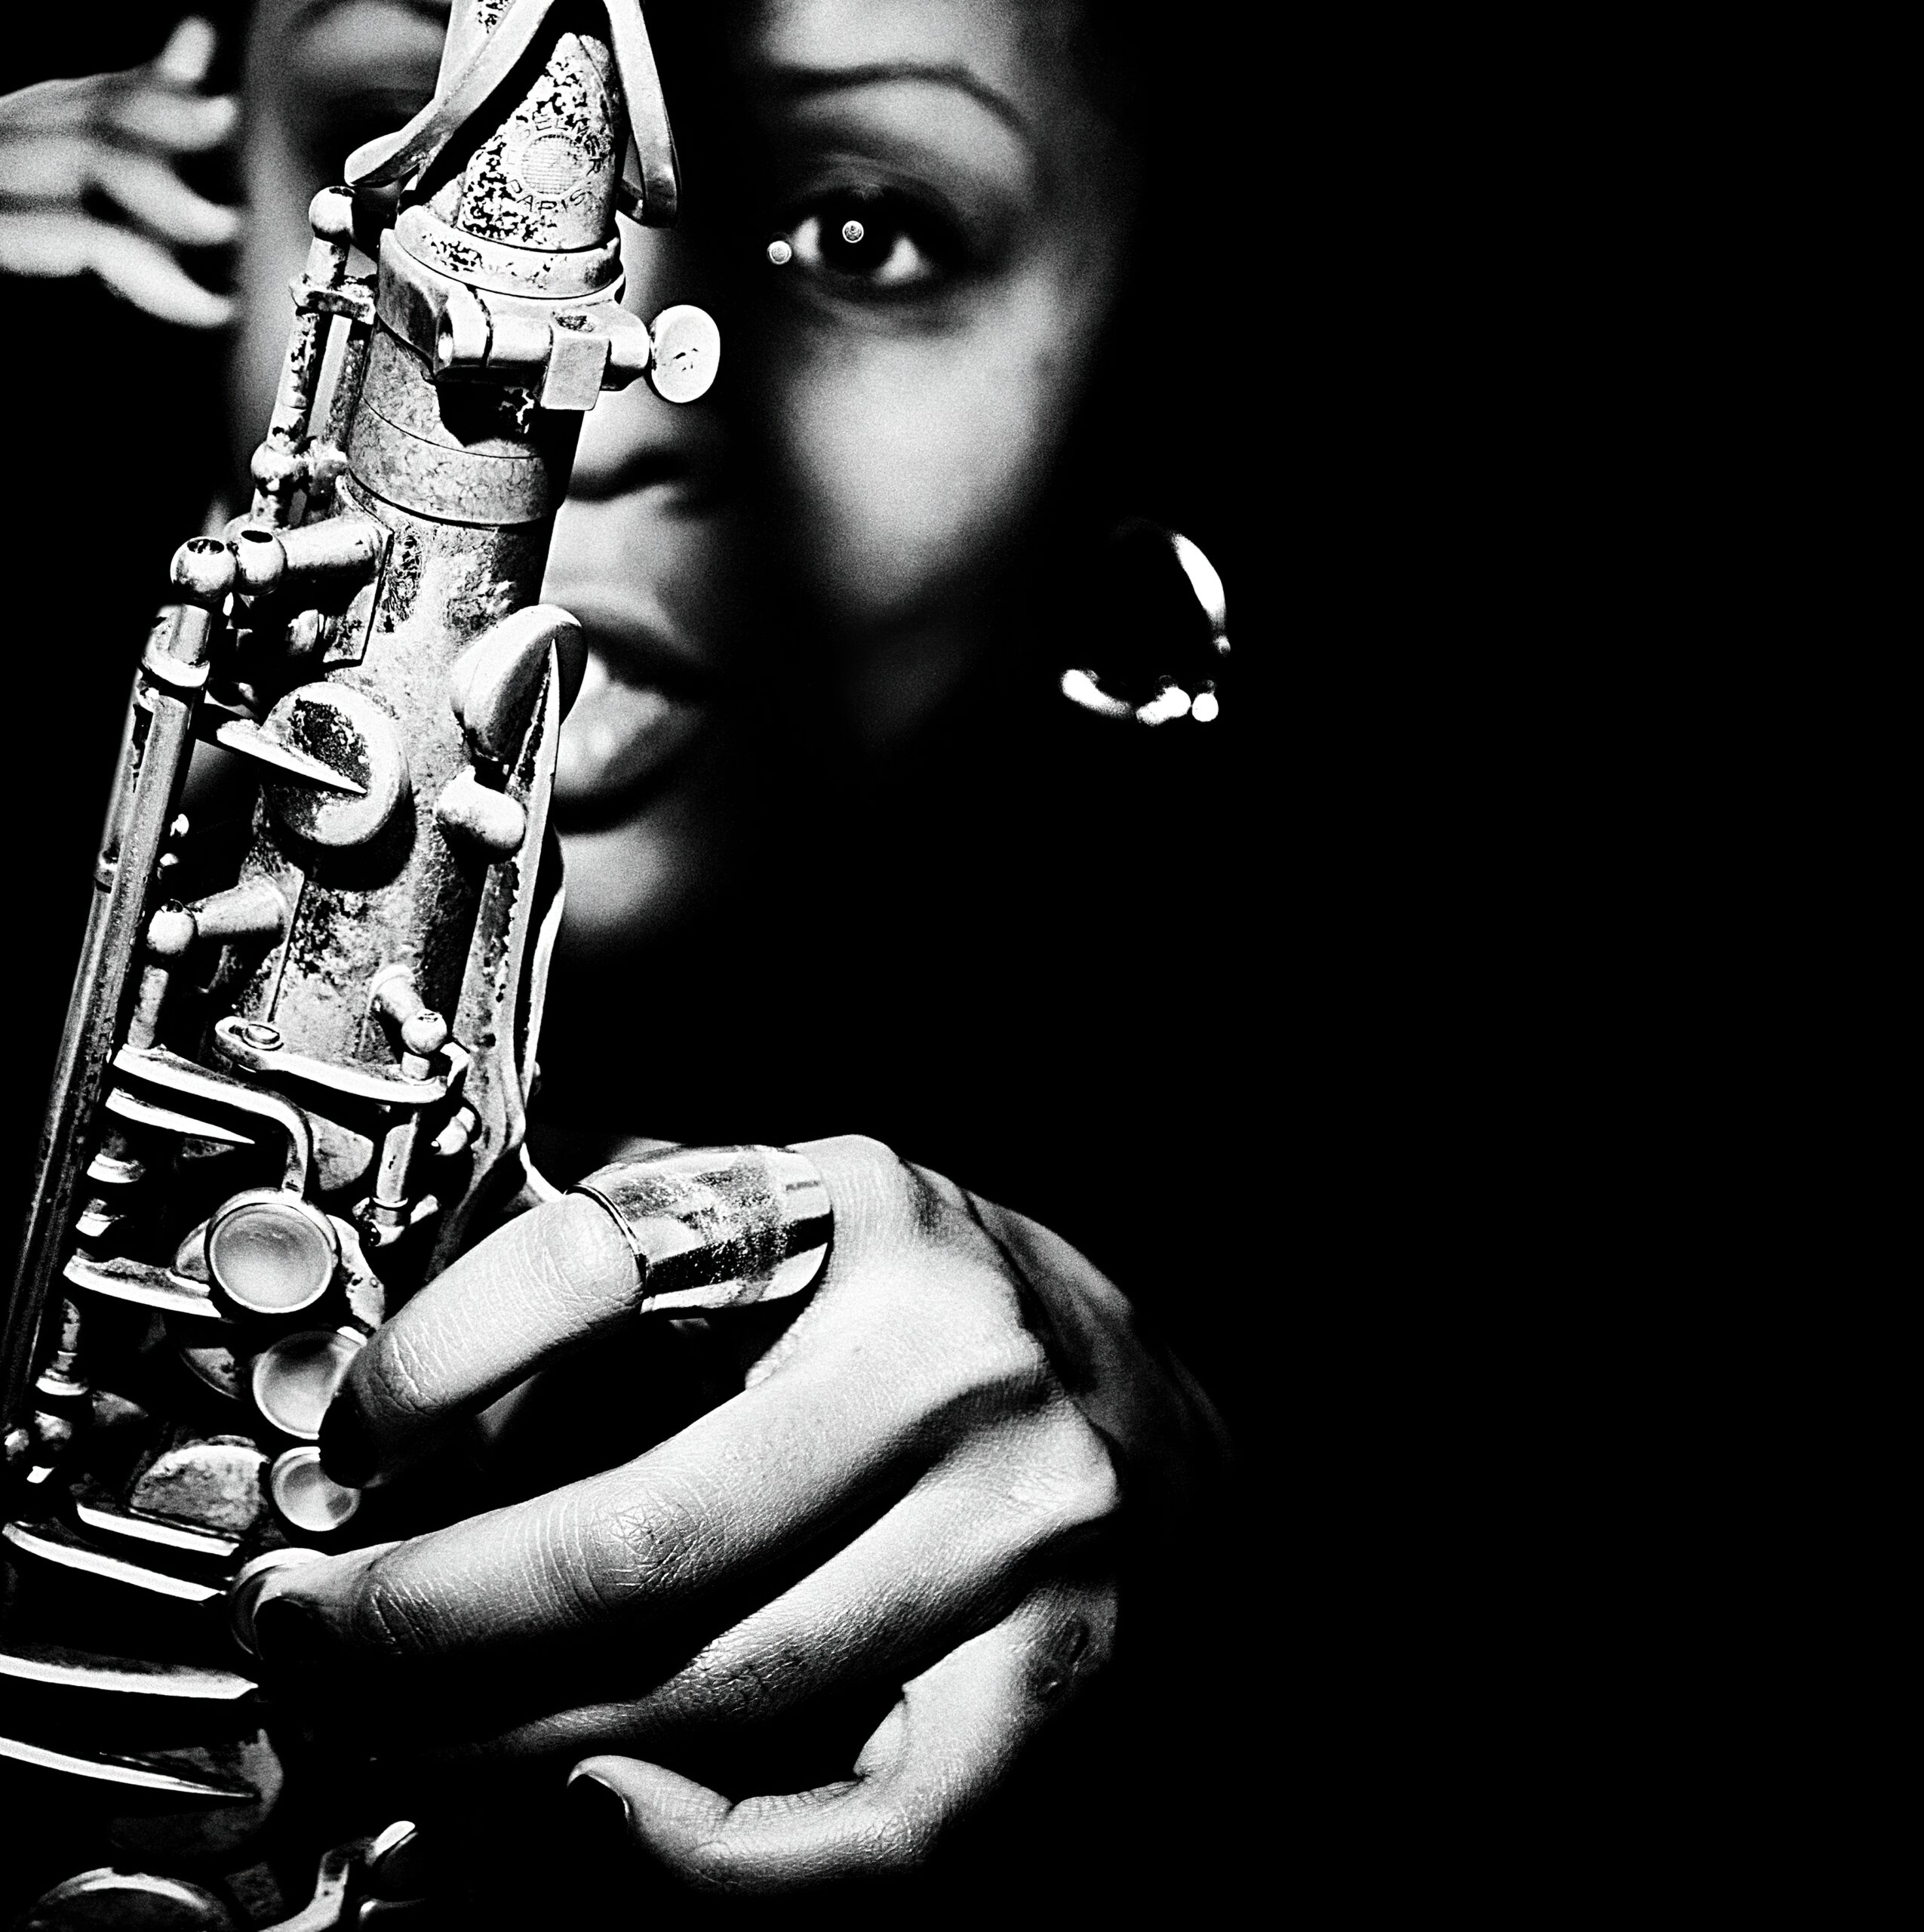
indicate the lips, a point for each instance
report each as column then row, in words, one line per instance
column 639, row 709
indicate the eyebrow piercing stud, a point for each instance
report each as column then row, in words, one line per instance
column 780, row 253
column 853, row 232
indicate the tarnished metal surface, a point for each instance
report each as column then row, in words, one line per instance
column 406, row 892
column 446, row 482
column 146, row 792
column 281, row 1105
column 557, row 274
column 546, row 178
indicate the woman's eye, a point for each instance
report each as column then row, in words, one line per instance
column 881, row 242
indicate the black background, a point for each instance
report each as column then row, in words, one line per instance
column 1370, row 1132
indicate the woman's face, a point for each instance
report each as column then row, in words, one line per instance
column 834, row 524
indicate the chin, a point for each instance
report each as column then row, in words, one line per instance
column 628, row 886
column 633, row 881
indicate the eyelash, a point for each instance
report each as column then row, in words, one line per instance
column 905, row 248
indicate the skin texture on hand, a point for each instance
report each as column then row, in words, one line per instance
column 66, row 146
column 908, row 1510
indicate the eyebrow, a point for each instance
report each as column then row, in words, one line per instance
column 798, row 83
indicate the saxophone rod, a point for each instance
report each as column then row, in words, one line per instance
column 153, row 763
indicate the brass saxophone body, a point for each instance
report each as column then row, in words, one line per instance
column 281, row 1105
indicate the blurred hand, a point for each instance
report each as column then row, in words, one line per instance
column 66, row 146
column 909, row 1509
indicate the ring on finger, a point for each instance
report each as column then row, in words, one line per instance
column 717, row 1227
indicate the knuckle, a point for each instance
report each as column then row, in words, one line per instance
column 400, row 1376
column 861, row 1148
column 1096, row 1484
column 859, row 1162
column 570, row 1244
column 556, row 1269
column 748, row 1683
column 897, row 1839
column 1005, row 1361
column 722, row 1866
column 648, row 1546
column 1077, row 1487
column 902, row 1188
column 712, row 1866
column 388, row 1618
column 904, row 1195
column 932, row 1203
column 988, row 1373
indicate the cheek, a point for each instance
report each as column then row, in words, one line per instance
column 910, row 459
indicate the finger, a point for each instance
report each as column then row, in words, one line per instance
column 151, row 192
column 52, row 107
column 746, row 1485
column 949, row 1560
column 184, row 61
column 1101, row 1355
column 554, row 1279
column 171, row 123
column 46, row 243
column 144, row 106
column 957, row 1729
column 549, row 1280
column 148, row 276
column 49, row 168
column 908, row 1254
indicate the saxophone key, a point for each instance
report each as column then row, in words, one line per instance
column 65, row 1667
column 250, row 1586
column 345, row 732
column 242, row 735
column 422, row 1031
column 294, row 1380
column 148, row 1113
column 213, row 1364
column 120, row 1278
column 51, row 1541
column 492, row 685
column 111, row 1170
column 491, row 820
column 307, row 1497
column 151, row 1773
column 269, row 1252
column 93, row 1511
column 211, row 1486
column 686, row 353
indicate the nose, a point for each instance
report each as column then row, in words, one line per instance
column 631, row 440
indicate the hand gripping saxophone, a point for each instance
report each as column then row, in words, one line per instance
column 282, row 1104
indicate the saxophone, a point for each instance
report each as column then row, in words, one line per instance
column 282, row 1103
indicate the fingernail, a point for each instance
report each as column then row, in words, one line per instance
column 599, row 1809
column 288, row 1636
column 349, row 1452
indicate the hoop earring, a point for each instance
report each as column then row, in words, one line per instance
column 1159, row 617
